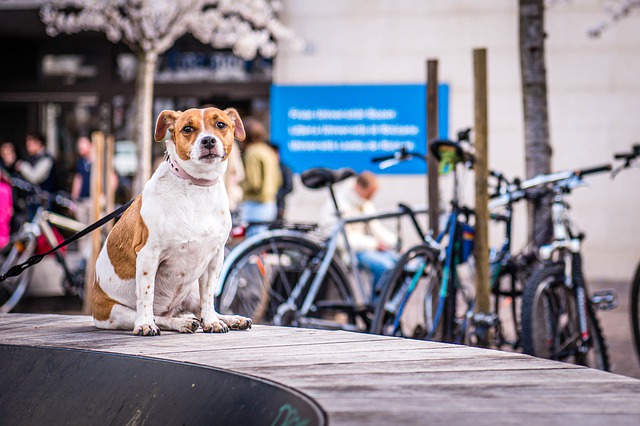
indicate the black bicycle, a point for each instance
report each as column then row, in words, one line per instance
column 631, row 159
column 430, row 292
column 559, row 319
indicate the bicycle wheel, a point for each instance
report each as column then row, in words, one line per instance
column 410, row 297
column 507, row 301
column 261, row 280
column 550, row 326
column 12, row 289
column 634, row 300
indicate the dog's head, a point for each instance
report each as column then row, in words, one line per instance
column 200, row 139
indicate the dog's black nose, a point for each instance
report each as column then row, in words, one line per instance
column 208, row 142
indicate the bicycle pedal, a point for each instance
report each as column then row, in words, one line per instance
column 605, row 300
column 481, row 319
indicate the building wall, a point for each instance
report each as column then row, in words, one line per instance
column 594, row 95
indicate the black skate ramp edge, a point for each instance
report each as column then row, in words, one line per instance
column 69, row 386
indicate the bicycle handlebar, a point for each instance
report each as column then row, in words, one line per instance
column 593, row 170
column 58, row 198
column 24, row 185
column 401, row 155
column 383, row 158
column 535, row 187
column 628, row 158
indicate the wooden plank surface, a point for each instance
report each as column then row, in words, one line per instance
column 366, row 379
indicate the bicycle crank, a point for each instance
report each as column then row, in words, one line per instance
column 286, row 315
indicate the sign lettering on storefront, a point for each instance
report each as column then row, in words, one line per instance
column 347, row 126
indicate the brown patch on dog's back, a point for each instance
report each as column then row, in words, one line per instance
column 102, row 304
column 126, row 239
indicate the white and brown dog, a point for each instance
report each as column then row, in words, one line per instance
column 159, row 266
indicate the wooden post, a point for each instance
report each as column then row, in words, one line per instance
column 109, row 183
column 433, row 190
column 481, row 243
column 97, row 183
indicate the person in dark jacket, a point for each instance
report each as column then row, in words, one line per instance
column 38, row 169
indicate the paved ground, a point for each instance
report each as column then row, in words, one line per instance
column 617, row 330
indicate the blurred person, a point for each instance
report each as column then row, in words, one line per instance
column 262, row 178
column 233, row 178
column 38, row 169
column 6, row 207
column 287, row 184
column 81, row 183
column 8, row 157
column 81, row 188
column 371, row 241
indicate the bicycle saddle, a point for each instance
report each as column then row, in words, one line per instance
column 322, row 177
column 437, row 146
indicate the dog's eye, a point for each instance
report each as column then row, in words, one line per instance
column 220, row 125
column 187, row 129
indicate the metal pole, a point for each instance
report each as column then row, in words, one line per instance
column 433, row 191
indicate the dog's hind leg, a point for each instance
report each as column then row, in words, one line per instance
column 119, row 318
column 122, row 317
column 236, row 322
column 182, row 324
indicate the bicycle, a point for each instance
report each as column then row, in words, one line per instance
column 630, row 159
column 426, row 296
column 296, row 277
column 558, row 315
column 25, row 243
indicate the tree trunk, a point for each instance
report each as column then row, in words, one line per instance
column 536, row 119
column 144, row 110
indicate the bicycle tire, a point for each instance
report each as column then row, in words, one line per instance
column 410, row 296
column 12, row 289
column 262, row 277
column 634, row 310
column 549, row 321
column 507, row 302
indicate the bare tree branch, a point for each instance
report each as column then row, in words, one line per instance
column 613, row 10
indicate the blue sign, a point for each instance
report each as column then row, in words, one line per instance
column 347, row 126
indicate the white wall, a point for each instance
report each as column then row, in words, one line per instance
column 594, row 94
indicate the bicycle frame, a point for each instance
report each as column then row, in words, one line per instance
column 568, row 247
column 325, row 258
column 450, row 254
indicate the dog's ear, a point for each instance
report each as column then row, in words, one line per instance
column 166, row 120
column 239, row 132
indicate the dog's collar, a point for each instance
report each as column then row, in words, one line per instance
column 182, row 173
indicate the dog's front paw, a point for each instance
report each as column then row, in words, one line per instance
column 215, row 326
column 190, row 325
column 146, row 330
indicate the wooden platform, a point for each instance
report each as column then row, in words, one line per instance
column 365, row 379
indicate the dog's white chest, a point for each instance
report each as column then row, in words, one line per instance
column 190, row 225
